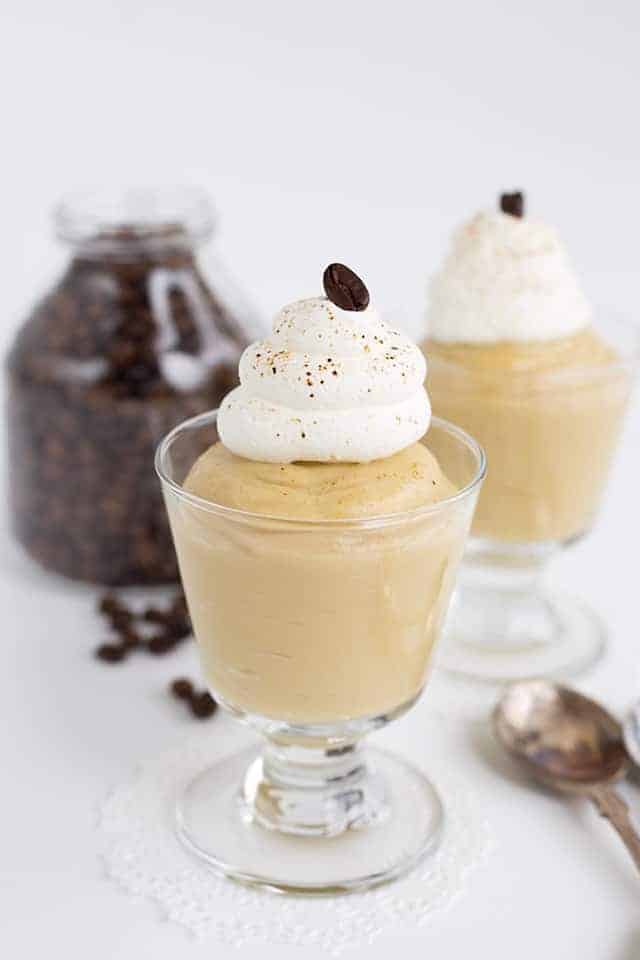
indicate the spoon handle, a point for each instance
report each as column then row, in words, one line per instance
column 616, row 810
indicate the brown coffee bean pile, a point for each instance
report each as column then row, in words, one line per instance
column 89, row 399
column 170, row 627
column 201, row 703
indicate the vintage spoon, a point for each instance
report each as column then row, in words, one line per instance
column 569, row 743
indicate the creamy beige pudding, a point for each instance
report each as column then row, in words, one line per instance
column 319, row 577
column 316, row 625
column 548, row 414
column 515, row 359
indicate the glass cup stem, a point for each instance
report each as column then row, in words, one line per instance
column 313, row 791
column 505, row 624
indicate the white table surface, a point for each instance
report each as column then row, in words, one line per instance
column 340, row 130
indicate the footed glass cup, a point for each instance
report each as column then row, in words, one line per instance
column 315, row 634
column 550, row 436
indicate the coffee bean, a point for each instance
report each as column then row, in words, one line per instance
column 182, row 688
column 345, row 288
column 111, row 652
column 177, row 630
column 512, row 203
column 160, row 644
column 203, row 705
column 121, row 621
column 109, row 604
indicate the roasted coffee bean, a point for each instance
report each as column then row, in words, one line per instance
column 109, row 604
column 121, row 621
column 177, row 631
column 111, row 652
column 203, row 705
column 182, row 688
column 154, row 615
column 512, row 203
column 160, row 644
column 119, row 616
column 345, row 288
column 90, row 396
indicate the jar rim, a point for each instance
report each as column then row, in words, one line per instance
column 113, row 218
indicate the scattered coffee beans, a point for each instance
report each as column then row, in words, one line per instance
column 201, row 703
column 172, row 627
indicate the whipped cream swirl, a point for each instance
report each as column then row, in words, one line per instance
column 328, row 385
column 505, row 278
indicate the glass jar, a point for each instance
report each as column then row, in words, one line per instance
column 129, row 343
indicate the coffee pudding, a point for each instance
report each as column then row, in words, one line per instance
column 315, row 548
column 515, row 359
column 316, row 626
column 318, row 537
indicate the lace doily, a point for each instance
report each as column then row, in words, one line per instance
column 142, row 853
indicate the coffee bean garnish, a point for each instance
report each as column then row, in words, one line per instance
column 345, row 288
column 201, row 703
column 512, row 203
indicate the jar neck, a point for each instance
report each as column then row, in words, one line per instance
column 135, row 224
column 171, row 248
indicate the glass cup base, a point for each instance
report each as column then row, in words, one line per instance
column 216, row 822
column 554, row 636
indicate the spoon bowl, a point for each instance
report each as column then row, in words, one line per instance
column 565, row 739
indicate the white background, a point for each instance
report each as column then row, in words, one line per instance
column 355, row 131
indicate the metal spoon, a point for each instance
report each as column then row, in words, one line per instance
column 569, row 743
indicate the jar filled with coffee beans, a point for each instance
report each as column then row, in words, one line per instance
column 131, row 341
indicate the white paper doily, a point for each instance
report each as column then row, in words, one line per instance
column 142, row 853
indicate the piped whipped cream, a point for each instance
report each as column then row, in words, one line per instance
column 505, row 278
column 328, row 385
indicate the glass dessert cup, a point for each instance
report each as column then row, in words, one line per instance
column 550, row 436
column 314, row 634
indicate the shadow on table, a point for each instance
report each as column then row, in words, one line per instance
column 573, row 808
